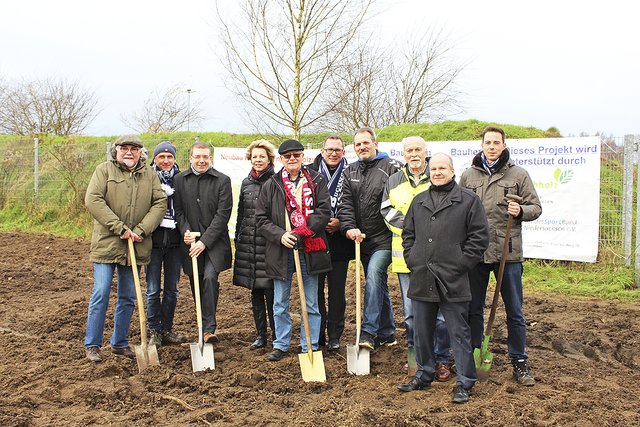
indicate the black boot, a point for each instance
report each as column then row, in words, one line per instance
column 260, row 318
column 268, row 293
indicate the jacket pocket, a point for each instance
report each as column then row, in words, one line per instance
column 515, row 240
column 506, row 187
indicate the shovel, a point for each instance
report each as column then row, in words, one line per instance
column 145, row 354
column 482, row 356
column 358, row 358
column 311, row 364
column 201, row 352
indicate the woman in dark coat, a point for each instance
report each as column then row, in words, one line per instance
column 249, row 265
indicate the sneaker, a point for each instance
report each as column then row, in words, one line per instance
column 367, row 341
column 415, row 383
column 155, row 338
column 334, row 345
column 124, row 351
column 522, row 373
column 93, row 354
column 443, row 372
column 386, row 340
column 169, row 337
column 460, row 394
column 276, row 355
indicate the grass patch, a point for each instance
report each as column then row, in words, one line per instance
column 571, row 279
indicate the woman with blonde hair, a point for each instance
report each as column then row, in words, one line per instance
column 249, row 264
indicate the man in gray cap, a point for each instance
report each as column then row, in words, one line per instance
column 167, row 253
column 126, row 201
column 292, row 212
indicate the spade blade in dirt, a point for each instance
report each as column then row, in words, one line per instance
column 411, row 361
column 483, row 357
column 358, row 362
column 146, row 355
column 312, row 366
column 202, row 357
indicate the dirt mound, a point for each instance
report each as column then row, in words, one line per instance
column 584, row 355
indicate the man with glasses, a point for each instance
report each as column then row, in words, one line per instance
column 330, row 163
column 360, row 214
column 203, row 204
column 293, row 210
column 126, row 201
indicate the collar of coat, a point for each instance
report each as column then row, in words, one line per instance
column 455, row 196
column 211, row 171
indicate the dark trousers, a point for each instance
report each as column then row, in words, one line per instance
column 332, row 320
column 456, row 318
column 262, row 307
column 513, row 299
column 209, row 290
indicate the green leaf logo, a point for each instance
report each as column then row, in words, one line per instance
column 563, row 177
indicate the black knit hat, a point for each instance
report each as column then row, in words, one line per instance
column 290, row 145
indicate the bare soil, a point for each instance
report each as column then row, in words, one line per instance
column 583, row 352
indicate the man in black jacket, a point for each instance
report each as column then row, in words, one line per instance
column 360, row 214
column 292, row 211
column 331, row 163
column 445, row 234
column 203, row 204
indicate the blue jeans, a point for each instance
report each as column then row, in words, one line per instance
column 511, row 292
column 442, row 345
column 97, row 313
column 281, row 315
column 378, row 313
column 160, row 311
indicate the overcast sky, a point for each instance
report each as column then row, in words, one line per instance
column 568, row 64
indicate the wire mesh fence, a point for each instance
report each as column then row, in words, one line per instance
column 57, row 174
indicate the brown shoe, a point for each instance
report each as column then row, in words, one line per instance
column 93, row 354
column 443, row 372
column 124, row 351
column 210, row 338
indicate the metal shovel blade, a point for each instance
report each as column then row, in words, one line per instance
column 202, row 357
column 312, row 367
column 483, row 357
column 357, row 360
column 146, row 355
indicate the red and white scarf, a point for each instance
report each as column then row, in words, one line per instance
column 298, row 215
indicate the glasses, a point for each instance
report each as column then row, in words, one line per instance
column 333, row 150
column 128, row 149
column 290, row 155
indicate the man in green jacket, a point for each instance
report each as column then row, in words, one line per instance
column 126, row 201
column 493, row 176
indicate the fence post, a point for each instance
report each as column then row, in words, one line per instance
column 627, row 197
column 35, row 172
column 636, row 273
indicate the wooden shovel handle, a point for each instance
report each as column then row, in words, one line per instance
column 303, row 304
column 136, row 280
column 358, row 293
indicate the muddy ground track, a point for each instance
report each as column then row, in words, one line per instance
column 583, row 352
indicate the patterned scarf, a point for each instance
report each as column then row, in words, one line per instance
column 493, row 167
column 299, row 214
column 334, row 181
column 166, row 182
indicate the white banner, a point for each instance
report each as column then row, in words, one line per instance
column 565, row 173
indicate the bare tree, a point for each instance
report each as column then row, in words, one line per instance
column 408, row 85
column 46, row 107
column 167, row 111
column 280, row 55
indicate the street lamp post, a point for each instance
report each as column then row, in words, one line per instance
column 188, row 109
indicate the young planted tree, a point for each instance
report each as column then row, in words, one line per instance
column 168, row 111
column 280, row 55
